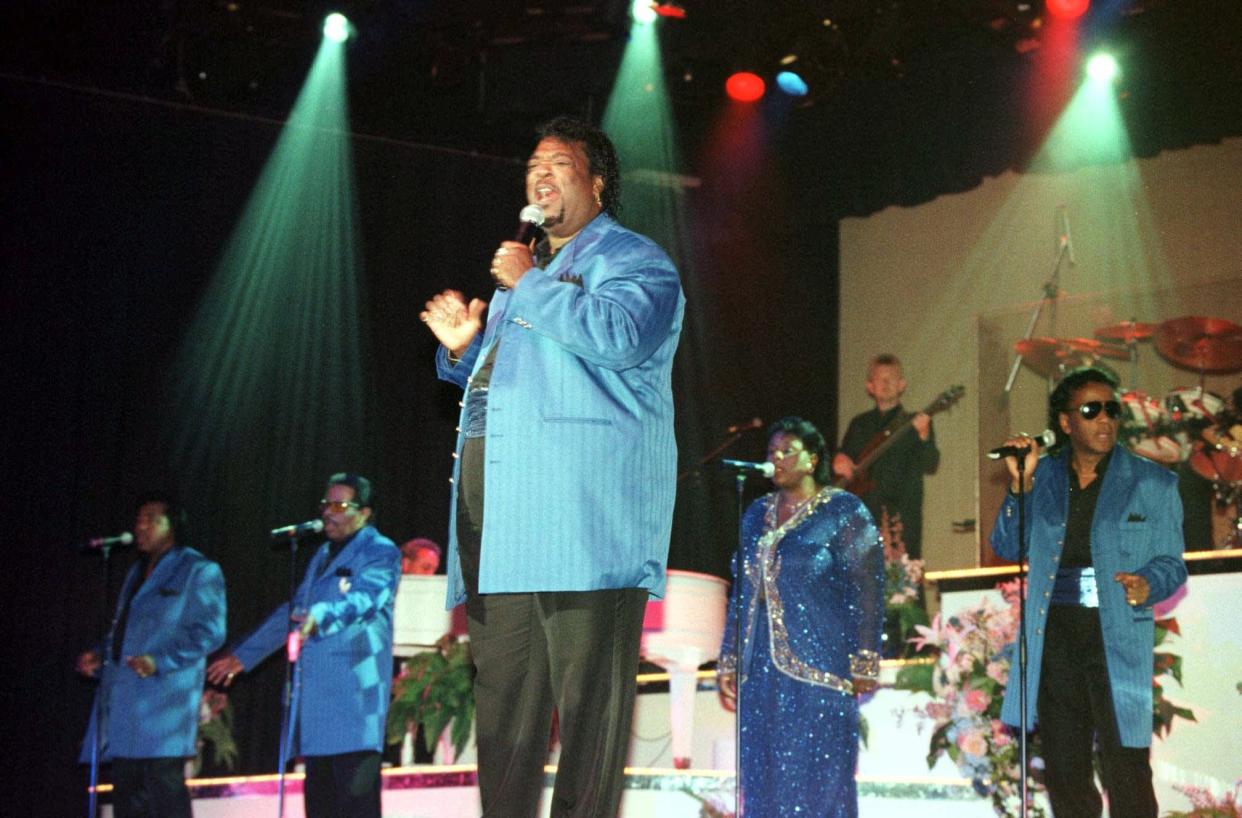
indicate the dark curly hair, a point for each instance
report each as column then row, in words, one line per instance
column 1061, row 396
column 812, row 441
column 601, row 155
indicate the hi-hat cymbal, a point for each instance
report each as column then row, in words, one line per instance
column 1201, row 344
column 1052, row 356
column 1127, row 332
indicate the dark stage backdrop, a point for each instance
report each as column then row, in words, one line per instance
column 115, row 213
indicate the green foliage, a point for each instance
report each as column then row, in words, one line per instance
column 916, row 678
column 217, row 730
column 435, row 689
column 1164, row 664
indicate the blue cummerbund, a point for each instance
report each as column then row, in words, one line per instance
column 1076, row 586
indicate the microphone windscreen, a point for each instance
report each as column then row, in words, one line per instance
column 532, row 214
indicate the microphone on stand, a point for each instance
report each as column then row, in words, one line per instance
column 753, row 423
column 120, row 540
column 1041, row 441
column 1065, row 239
column 297, row 530
column 766, row 469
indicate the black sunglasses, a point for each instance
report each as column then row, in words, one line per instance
column 1091, row 409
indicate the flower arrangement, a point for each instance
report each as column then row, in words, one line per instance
column 435, row 689
column 215, row 727
column 968, row 681
column 1206, row 805
column 903, row 586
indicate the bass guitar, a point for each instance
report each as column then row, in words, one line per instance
column 859, row 484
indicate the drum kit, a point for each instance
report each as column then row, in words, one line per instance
column 1189, row 425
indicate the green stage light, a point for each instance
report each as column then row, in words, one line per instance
column 336, row 27
column 1103, row 68
column 643, row 11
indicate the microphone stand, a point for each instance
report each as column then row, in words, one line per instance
column 292, row 676
column 1023, row 567
column 739, row 481
column 1050, row 291
column 92, row 807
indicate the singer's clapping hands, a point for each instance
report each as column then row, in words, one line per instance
column 453, row 321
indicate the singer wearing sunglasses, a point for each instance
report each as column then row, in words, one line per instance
column 1104, row 535
column 344, row 662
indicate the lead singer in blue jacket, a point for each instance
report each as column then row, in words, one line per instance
column 568, row 391
column 344, row 671
column 1104, row 532
column 169, row 616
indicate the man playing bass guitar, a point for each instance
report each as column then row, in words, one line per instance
column 891, row 484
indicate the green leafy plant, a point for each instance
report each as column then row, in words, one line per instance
column 434, row 689
column 1167, row 664
column 215, row 728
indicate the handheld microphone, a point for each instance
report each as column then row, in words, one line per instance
column 123, row 539
column 753, row 423
column 766, row 469
column 529, row 221
column 1042, row 441
column 297, row 530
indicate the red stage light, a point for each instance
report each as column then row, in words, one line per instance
column 669, row 10
column 1067, row 9
column 745, row 86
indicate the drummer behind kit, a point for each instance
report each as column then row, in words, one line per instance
column 1190, row 429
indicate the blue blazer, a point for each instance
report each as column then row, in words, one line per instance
column 1137, row 529
column 344, row 672
column 177, row 617
column 581, row 459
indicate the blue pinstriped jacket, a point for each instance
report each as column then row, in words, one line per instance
column 581, row 460
column 1137, row 529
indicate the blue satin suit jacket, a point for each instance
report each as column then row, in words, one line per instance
column 344, row 673
column 177, row 617
column 581, row 461
column 1137, row 529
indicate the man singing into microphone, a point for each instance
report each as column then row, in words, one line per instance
column 568, row 392
column 1104, row 532
column 344, row 670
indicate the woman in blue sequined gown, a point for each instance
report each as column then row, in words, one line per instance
column 812, row 610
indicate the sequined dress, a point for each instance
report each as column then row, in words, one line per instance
column 814, row 624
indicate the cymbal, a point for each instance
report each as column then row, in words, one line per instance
column 1127, row 332
column 1052, row 356
column 1097, row 348
column 1201, row 344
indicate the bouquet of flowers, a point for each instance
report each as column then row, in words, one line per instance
column 1206, row 805
column 903, row 585
column 968, row 681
